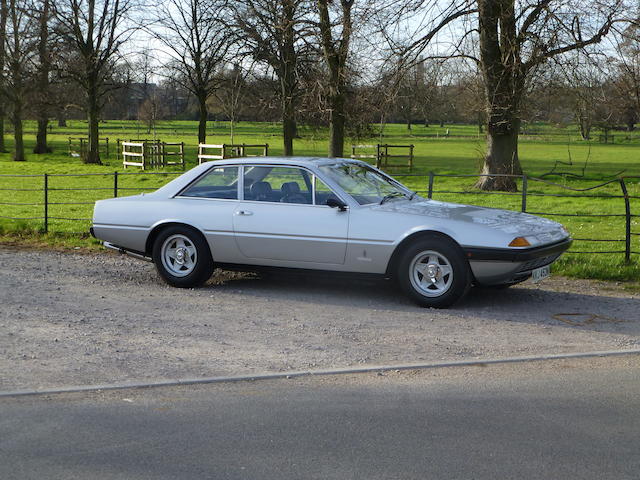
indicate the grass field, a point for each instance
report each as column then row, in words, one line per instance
column 453, row 149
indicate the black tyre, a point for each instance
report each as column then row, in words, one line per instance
column 433, row 272
column 182, row 257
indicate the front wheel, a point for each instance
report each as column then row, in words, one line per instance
column 433, row 272
column 182, row 257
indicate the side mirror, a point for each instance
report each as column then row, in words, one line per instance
column 335, row 203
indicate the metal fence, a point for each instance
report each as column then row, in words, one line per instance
column 43, row 192
column 47, row 199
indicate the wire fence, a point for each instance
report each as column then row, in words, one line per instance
column 57, row 199
column 64, row 202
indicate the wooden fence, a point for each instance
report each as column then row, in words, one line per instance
column 151, row 154
column 385, row 154
column 207, row 152
column 78, row 146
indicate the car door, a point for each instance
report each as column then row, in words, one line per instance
column 209, row 203
column 279, row 221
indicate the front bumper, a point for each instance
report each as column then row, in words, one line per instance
column 503, row 266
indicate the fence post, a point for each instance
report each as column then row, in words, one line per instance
column 115, row 184
column 627, row 208
column 430, row 194
column 524, row 193
column 46, row 203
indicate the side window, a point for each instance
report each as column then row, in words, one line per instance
column 279, row 184
column 323, row 193
column 219, row 182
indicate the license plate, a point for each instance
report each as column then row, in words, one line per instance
column 541, row 273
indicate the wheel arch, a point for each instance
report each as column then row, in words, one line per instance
column 155, row 231
column 415, row 236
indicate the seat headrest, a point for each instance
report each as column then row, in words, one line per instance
column 290, row 188
column 261, row 188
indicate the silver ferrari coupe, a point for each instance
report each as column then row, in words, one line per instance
column 336, row 215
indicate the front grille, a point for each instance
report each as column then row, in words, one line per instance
column 537, row 263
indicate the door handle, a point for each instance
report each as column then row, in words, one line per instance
column 244, row 212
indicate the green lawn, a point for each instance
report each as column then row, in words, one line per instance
column 452, row 149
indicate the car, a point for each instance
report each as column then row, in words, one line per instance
column 328, row 214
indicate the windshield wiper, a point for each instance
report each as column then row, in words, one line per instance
column 390, row 196
column 413, row 194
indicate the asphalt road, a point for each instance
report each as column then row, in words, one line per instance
column 546, row 420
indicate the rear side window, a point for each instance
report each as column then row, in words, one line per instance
column 219, row 182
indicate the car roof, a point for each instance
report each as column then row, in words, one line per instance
column 183, row 180
column 299, row 161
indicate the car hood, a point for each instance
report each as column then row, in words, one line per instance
column 515, row 224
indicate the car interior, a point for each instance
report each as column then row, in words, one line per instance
column 262, row 184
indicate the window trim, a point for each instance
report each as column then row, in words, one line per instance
column 299, row 167
column 205, row 173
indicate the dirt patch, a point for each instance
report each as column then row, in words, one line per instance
column 75, row 319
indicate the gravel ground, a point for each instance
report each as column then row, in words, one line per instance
column 78, row 319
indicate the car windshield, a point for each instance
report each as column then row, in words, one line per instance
column 364, row 184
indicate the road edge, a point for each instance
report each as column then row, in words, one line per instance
column 311, row 373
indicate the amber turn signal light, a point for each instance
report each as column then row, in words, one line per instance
column 519, row 242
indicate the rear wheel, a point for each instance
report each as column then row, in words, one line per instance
column 182, row 257
column 433, row 272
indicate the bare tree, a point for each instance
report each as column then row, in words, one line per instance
column 335, row 38
column 271, row 33
column 471, row 98
column 144, row 68
column 509, row 40
column 43, row 72
column 3, row 98
column 19, row 49
column 584, row 84
column 229, row 97
column 193, row 34
column 627, row 74
column 151, row 110
column 95, row 31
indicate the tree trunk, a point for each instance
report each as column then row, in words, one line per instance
column 585, row 128
column 203, row 116
column 3, row 40
column 287, row 75
column 501, row 157
column 336, row 52
column 44, row 68
column 3, row 146
column 18, row 154
column 62, row 118
column 93, row 116
column 289, row 127
column 41, row 137
column 336, row 127
column 504, row 79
